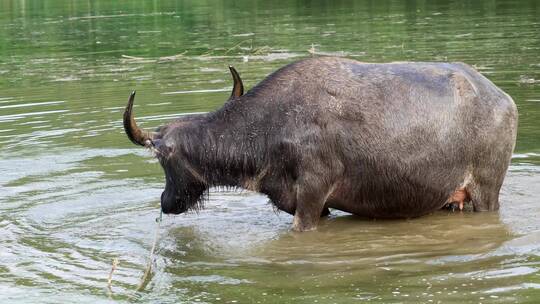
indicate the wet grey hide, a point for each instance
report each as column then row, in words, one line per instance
column 394, row 140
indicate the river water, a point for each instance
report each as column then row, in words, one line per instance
column 75, row 194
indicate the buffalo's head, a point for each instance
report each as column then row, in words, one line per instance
column 185, row 183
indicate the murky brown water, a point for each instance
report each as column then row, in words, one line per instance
column 75, row 194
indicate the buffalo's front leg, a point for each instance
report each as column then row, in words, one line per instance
column 309, row 207
column 325, row 212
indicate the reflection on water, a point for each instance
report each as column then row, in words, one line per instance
column 75, row 194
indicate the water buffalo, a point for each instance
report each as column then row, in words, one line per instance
column 393, row 140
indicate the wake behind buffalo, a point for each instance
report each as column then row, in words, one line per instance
column 394, row 140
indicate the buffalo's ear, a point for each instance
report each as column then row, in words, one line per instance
column 238, row 87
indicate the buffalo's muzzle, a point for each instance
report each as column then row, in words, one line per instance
column 170, row 204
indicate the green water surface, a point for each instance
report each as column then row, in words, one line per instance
column 76, row 194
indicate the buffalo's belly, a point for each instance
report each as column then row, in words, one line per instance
column 387, row 201
column 371, row 209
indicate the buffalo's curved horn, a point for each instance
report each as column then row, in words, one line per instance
column 238, row 87
column 135, row 134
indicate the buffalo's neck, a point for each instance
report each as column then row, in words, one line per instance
column 226, row 152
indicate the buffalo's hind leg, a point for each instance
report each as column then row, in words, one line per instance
column 481, row 188
column 485, row 194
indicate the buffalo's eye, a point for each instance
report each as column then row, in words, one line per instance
column 160, row 150
column 156, row 143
